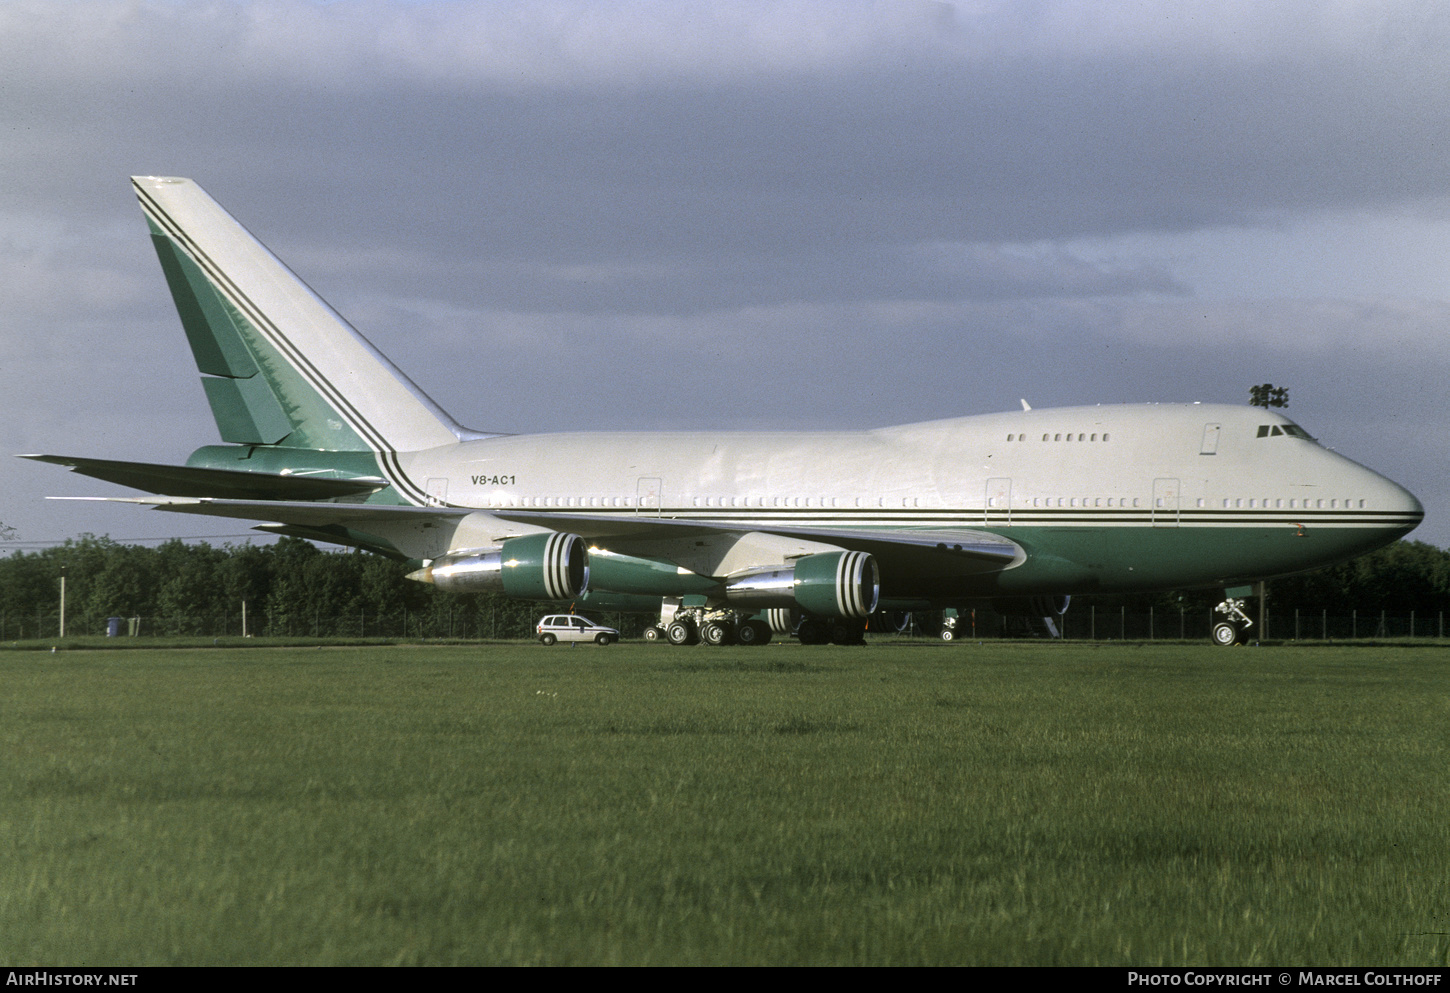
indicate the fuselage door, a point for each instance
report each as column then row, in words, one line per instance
column 438, row 491
column 999, row 502
column 1165, row 503
column 647, row 496
column 1210, row 440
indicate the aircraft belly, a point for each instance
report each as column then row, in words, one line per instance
column 1140, row 559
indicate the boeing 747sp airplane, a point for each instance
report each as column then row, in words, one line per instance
column 725, row 533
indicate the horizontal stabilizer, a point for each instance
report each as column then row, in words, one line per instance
column 302, row 514
column 192, row 481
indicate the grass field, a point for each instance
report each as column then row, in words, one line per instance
column 917, row 803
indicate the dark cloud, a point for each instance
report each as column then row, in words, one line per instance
column 853, row 214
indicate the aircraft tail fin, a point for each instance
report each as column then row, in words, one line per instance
column 279, row 365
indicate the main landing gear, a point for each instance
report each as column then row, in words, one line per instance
column 705, row 626
column 688, row 625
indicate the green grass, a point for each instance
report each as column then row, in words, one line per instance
column 918, row 803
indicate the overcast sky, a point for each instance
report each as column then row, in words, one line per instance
column 561, row 215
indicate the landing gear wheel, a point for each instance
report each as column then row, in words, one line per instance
column 948, row 634
column 653, row 634
column 714, row 634
column 1226, row 634
column 810, row 633
column 752, row 633
column 681, row 633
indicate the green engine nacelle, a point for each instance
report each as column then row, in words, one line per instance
column 830, row 584
column 545, row 566
column 837, row 584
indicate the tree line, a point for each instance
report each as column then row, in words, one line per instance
column 293, row 588
column 290, row 588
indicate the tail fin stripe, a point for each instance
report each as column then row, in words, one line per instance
column 259, row 319
column 334, row 396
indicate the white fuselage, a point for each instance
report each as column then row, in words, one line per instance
column 1120, row 465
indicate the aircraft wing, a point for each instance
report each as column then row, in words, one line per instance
column 901, row 553
column 388, row 529
column 192, row 481
column 952, row 551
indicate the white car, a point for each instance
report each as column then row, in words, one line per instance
column 572, row 627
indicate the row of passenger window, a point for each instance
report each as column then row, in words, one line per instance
column 1059, row 436
column 1251, row 503
column 733, row 501
column 1236, row 503
column 1079, row 502
column 1318, row 503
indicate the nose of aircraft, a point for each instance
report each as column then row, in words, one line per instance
column 1388, row 505
column 1405, row 503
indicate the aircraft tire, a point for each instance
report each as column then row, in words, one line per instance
column 653, row 634
column 1226, row 634
column 547, row 640
column 752, row 633
column 681, row 633
column 948, row 634
column 714, row 634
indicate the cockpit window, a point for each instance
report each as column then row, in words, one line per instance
column 1277, row 430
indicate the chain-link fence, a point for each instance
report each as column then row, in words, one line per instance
column 517, row 620
column 1093, row 624
column 501, row 623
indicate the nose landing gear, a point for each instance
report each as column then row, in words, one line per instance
column 1234, row 628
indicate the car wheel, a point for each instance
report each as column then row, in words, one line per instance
column 547, row 639
column 604, row 639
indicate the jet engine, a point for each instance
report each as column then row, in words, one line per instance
column 545, row 566
column 780, row 620
column 829, row 584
